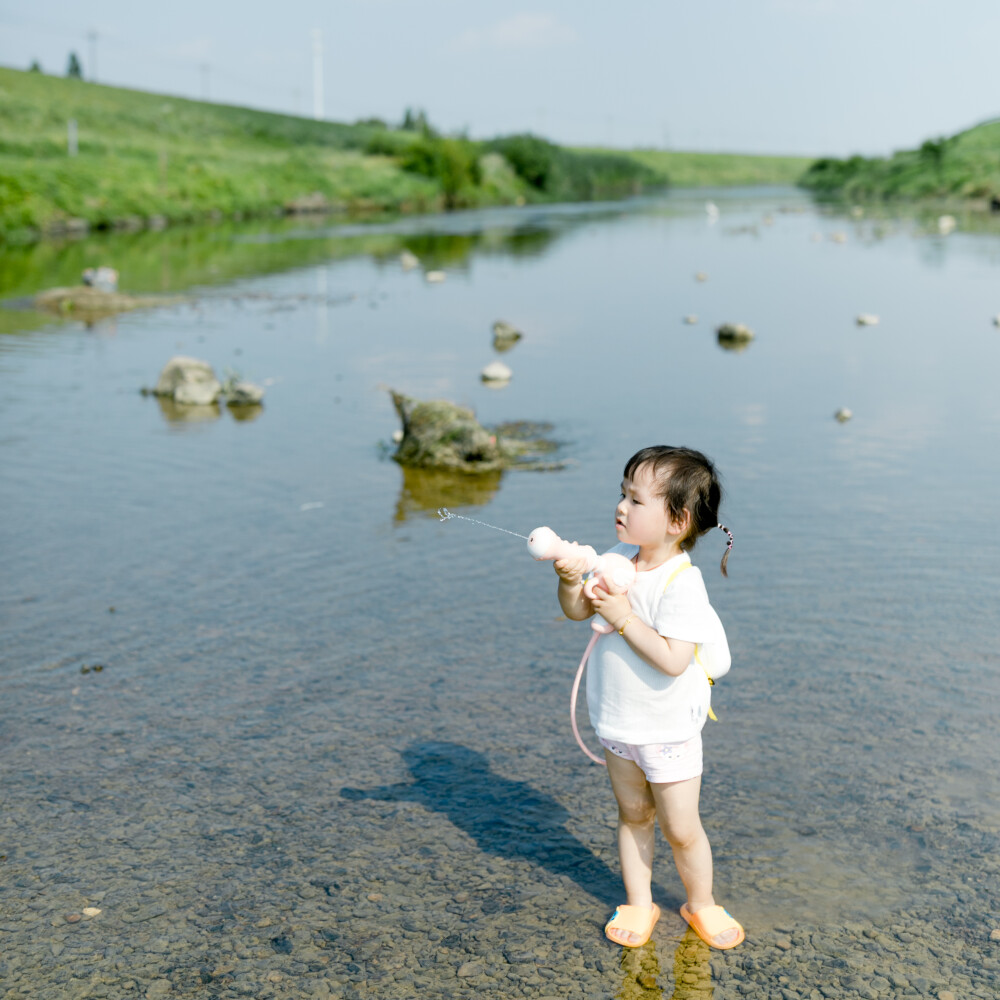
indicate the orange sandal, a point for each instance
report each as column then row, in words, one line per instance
column 636, row 919
column 712, row 921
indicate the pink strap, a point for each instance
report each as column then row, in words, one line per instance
column 572, row 699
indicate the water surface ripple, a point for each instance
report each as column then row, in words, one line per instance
column 292, row 735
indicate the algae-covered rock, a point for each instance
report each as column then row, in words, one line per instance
column 89, row 302
column 734, row 336
column 505, row 336
column 441, row 435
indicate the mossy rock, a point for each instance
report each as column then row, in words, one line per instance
column 93, row 303
column 441, row 435
column 438, row 434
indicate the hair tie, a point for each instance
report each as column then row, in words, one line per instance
column 729, row 546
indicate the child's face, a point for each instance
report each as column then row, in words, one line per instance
column 641, row 516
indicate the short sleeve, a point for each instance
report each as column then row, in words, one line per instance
column 684, row 612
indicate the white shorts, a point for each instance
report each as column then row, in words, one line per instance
column 661, row 762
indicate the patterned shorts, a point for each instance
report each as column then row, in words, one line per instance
column 662, row 763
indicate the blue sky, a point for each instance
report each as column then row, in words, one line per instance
column 788, row 76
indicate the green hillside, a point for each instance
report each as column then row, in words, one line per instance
column 963, row 167
column 684, row 169
column 146, row 160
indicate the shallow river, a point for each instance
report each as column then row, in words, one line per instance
column 294, row 736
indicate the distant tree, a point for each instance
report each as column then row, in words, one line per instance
column 415, row 120
column 933, row 152
column 73, row 67
column 35, row 67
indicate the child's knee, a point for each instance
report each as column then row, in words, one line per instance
column 682, row 834
column 637, row 813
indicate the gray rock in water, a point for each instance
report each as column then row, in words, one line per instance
column 505, row 336
column 442, row 435
column 244, row 394
column 496, row 371
column 734, row 335
column 188, row 381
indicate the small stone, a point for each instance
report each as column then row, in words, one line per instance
column 996, row 320
column 701, row 276
column 158, row 988
column 496, row 371
column 946, row 995
column 505, row 336
column 91, row 911
column 73, row 918
column 374, row 897
column 843, row 414
column 867, row 319
column 470, row 969
column 946, row 224
column 838, row 237
column 734, row 334
column 784, row 944
column 691, row 319
column 435, row 277
column 244, row 394
column 995, row 934
column 408, row 261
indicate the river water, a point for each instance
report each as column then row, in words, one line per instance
column 293, row 735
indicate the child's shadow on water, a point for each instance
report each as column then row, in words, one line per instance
column 506, row 818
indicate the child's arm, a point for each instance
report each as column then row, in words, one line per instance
column 574, row 603
column 669, row 656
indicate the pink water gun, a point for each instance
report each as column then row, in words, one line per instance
column 613, row 572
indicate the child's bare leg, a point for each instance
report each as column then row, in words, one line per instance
column 636, row 835
column 677, row 811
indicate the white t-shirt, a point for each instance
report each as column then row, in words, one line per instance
column 630, row 700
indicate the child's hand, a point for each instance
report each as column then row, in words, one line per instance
column 613, row 608
column 571, row 569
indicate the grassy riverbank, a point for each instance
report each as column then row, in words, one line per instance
column 686, row 169
column 962, row 168
column 147, row 160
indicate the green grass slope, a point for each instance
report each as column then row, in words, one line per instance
column 147, row 160
column 684, row 169
column 963, row 167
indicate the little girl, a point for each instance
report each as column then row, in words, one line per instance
column 648, row 693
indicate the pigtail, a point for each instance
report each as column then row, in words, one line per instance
column 729, row 548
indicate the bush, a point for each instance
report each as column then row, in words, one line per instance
column 451, row 162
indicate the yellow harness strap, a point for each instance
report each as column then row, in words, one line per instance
column 697, row 658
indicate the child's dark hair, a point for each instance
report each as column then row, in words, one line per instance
column 686, row 480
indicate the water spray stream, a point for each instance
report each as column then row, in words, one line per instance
column 445, row 515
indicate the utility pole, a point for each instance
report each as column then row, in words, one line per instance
column 317, row 34
column 92, row 38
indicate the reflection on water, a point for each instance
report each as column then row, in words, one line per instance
column 178, row 413
column 428, row 489
column 643, row 978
